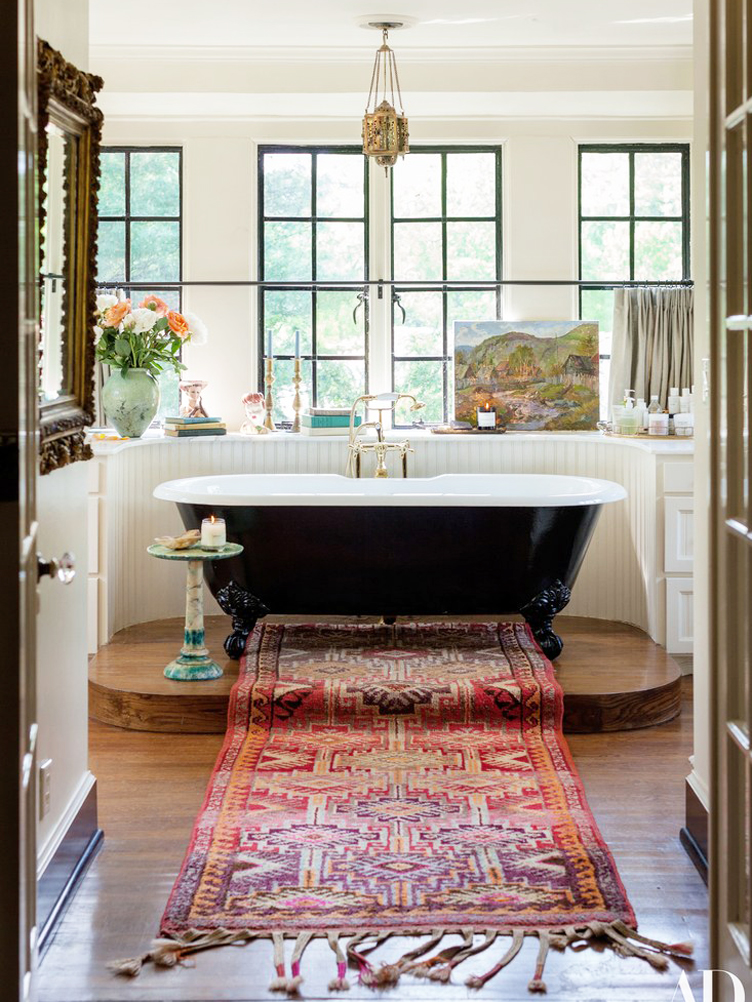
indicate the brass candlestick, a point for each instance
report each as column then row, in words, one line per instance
column 269, row 399
column 296, row 381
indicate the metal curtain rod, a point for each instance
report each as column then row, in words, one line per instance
column 437, row 283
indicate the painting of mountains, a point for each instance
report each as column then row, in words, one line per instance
column 540, row 374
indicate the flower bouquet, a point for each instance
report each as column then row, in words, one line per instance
column 138, row 343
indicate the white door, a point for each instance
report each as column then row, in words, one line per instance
column 730, row 274
column 18, row 462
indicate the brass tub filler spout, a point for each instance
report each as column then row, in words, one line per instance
column 357, row 445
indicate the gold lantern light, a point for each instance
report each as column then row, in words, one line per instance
column 385, row 134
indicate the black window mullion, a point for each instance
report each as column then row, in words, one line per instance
column 127, row 227
column 631, row 216
column 314, row 276
column 686, row 263
column 499, row 250
column 445, row 276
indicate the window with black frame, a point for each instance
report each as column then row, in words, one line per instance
column 633, row 226
column 313, row 234
column 139, row 239
column 446, row 228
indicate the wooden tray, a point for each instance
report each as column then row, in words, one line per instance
column 446, row 430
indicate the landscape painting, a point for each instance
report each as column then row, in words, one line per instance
column 541, row 375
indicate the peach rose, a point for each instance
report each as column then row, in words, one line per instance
column 178, row 324
column 160, row 306
column 114, row 314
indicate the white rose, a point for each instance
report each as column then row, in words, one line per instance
column 140, row 320
column 97, row 333
column 197, row 327
column 105, row 301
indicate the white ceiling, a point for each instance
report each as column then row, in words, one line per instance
column 441, row 24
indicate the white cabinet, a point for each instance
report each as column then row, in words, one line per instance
column 679, row 615
column 678, row 554
column 679, row 539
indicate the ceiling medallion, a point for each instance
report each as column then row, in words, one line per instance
column 385, row 134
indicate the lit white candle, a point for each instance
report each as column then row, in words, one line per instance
column 213, row 533
column 486, row 416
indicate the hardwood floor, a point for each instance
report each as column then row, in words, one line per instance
column 151, row 786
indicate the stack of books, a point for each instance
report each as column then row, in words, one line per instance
column 326, row 421
column 190, row 427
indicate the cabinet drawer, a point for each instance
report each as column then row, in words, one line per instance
column 679, row 615
column 679, row 478
column 679, row 546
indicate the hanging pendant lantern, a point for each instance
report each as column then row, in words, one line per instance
column 385, row 134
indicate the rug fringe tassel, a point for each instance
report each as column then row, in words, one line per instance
column 375, row 977
column 537, row 984
column 621, row 938
column 445, row 973
column 478, row 980
column 340, row 983
column 169, row 952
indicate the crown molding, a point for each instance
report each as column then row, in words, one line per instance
column 358, row 54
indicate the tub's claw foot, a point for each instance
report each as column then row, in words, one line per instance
column 539, row 614
column 245, row 610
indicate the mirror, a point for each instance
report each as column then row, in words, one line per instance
column 69, row 137
column 54, row 282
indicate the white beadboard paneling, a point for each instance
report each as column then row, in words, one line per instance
column 93, row 535
column 92, row 620
column 619, row 578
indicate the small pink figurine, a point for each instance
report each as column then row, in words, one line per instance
column 255, row 411
column 191, row 405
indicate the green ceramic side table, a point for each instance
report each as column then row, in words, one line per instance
column 193, row 664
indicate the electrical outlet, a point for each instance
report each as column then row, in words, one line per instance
column 45, row 787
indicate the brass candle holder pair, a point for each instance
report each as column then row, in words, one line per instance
column 297, row 379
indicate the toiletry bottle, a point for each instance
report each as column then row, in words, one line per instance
column 654, row 407
column 685, row 401
column 674, row 400
column 658, row 423
column 642, row 409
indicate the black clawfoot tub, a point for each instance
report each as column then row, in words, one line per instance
column 449, row 545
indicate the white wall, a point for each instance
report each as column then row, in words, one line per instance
column 62, row 662
column 65, row 25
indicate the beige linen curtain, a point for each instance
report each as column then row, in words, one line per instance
column 652, row 342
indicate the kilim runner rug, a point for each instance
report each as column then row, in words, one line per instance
column 380, row 781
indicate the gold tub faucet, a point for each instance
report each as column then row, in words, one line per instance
column 357, row 446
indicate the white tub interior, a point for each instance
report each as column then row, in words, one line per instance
column 496, row 490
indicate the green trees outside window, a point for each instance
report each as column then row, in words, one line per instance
column 140, row 231
column 438, row 221
column 633, row 224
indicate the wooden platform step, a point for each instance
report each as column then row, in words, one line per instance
column 613, row 676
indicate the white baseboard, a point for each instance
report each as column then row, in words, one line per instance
column 700, row 788
column 58, row 833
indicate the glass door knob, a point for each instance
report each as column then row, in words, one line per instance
column 63, row 569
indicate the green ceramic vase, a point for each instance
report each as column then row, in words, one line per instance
column 130, row 399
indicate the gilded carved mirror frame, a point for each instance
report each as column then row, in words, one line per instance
column 66, row 97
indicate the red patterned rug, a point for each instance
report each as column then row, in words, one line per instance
column 380, row 781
